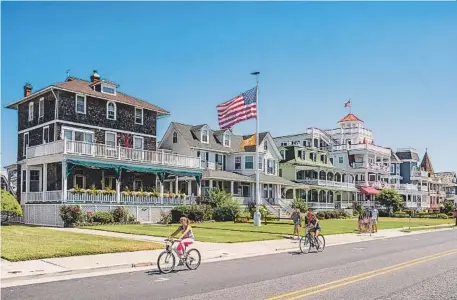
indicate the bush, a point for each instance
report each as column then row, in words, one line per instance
column 219, row 197
column 70, row 214
column 227, row 211
column 262, row 209
column 300, row 204
column 10, row 207
column 442, row 216
column 194, row 212
column 165, row 217
column 103, row 217
column 120, row 215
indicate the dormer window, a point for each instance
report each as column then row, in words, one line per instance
column 175, row 137
column 30, row 111
column 111, row 110
column 226, row 139
column 108, row 89
column 205, row 136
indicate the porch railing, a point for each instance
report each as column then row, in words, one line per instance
column 370, row 166
column 319, row 205
column 313, row 181
column 113, row 152
column 48, row 196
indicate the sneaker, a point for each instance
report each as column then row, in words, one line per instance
column 180, row 263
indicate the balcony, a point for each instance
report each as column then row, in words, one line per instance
column 115, row 153
column 370, row 166
column 329, row 183
column 408, row 187
column 210, row 165
column 368, row 147
column 419, row 174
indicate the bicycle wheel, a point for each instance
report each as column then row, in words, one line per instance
column 305, row 245
column 321, row 241
column 193, row 259
column 166, row 262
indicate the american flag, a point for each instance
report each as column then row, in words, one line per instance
column 238, row 109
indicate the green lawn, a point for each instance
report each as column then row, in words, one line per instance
column 25, row 243
column 229, row 232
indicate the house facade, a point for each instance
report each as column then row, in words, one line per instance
column 229, row 162
column 80, row 134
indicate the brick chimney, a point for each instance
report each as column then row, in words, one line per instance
column 27, row 89
column 94, row 77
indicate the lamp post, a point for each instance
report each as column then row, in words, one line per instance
column 257, row 215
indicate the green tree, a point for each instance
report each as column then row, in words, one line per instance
column 391, row 199
column 300, row 204
column 448, row 207
column 226, row 208
column 10, row 207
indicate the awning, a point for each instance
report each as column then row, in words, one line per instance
column 369, row 190
column 162, row 172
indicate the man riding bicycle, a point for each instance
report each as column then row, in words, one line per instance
column 313, row 225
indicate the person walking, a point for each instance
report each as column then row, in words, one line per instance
column 455, row 216
column 374, row 219
column 296, row 218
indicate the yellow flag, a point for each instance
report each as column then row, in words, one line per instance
column 248, row 142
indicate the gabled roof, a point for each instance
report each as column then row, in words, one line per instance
column 85, row 87
column 349, row 117
column 426, row 163
column 190, row 134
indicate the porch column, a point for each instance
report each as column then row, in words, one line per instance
column 176, row 184
column 189, row 187
column 293, row 193
column 232, row 183
column 278, row 191
column 199, row 189
column 64, row 180
column 161, row 191
column 45, row 181
column 23, row 201
column 118, row 186
column 210, row 184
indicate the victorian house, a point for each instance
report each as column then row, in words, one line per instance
column 228, row 161
column 86, row 141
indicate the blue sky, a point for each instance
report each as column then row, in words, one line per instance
column 397, row 61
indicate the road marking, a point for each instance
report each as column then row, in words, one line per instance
column 161, row 279
column 356, row 278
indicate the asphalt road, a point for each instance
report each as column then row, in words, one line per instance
column 415, row 267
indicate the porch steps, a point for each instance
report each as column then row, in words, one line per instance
column 283, row 214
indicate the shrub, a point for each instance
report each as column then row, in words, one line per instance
column 196, row 213
column 88, row 217
column 227, row 211
column 165, row 217
column 103, row 217
column 120, row 214
column 244, row 217
column 442, row 216
column 300, row 204
column 70, row 214
column 218, row 197
column 10, row 207
column 262, row 209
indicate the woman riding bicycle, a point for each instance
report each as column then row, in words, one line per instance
column 314, row 226
column 187, row 236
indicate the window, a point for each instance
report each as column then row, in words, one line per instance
column 283, row 143
column 24, row 181
column 238, row 163
column 45, row 134
column 331, row 160
column 111, row 110
column 175, row 137
column 26, row 143
column 300, row 154
column 34, row 180
column 249, row 162
column 392, row 169
column 138, row 116
column 110, row 139
column 205, row 137
column 226, row 139
column 260, row 163
column 30, row 111
column 108, row 89
column 41, row 108
column 80, row 104
column 79, row 180
column 138, row 143
column 283, row 154
column 265, row 146
column 280, row 172
column 340, row 159
column 137, row 184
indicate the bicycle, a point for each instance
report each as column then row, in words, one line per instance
column 308, row 241
column 189, row 257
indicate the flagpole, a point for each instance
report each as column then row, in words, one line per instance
column 257, row 215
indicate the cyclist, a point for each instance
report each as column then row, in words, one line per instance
column 187, row 236
column 313, row 226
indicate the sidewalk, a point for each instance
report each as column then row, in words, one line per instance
column 14, row 271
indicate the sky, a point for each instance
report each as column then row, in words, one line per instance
column 397, row 61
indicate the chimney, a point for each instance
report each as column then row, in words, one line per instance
column 94, row 77
column 27, row 89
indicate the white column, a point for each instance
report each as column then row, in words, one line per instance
column 118, row 186
column 199, row 189
column 189, row 187
column 278, row 191
column 232, row 187
column 103, row 180
column 64, row 180
column 176, row 184
column 161, row 191
column 210, row 184
column 293, row 193
column 366, row 177
column 45, row 180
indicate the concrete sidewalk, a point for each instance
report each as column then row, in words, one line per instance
column 14, row 271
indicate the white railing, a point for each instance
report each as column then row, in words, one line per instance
column 417, row 173
column 433, row 193
column 110, row 152
column 322, row 182
column 48, row 196
column 371, row 166
column 244, row 200
column 319, row 205
column 408, row 187
column 370, row 147
column 88, row 197
column 45, row 149
column 423, row 188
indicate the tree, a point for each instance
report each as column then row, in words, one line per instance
column 391, row 199
column 10, row 207
column 448, row 207
column 300, row 204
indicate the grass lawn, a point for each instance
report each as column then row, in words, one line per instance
column 229, row 232
column 25, row 243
